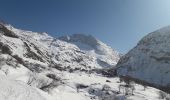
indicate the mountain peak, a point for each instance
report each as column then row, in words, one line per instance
column 104, row 54
column 156, row 36
column 83, row 38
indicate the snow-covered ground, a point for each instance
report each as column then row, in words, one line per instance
column 96, row 83
column 92, row 82
column 17, row 90
column 79, row 86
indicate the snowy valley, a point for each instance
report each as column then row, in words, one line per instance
column 36, row 66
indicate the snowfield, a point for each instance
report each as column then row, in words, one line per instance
column 17, row 90
column 77, row 86
column 96, row 83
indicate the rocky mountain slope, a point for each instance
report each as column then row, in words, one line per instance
column 149, row 61
column 62, row 52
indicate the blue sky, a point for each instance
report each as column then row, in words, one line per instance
column 118, row 23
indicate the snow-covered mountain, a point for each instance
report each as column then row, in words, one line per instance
column 104, row 55
column 149, row 61
column 36, row 66
column 46, row 49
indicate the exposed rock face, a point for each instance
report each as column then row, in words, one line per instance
column 149, row 61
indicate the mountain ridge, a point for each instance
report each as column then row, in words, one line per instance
column 149, row 60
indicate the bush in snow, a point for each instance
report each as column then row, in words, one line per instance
column 126, row 89
column 56, row 81
column 51, row 86
column 105, row 93
column 53, row 76
column 106, row 88
column 81, row 86
column 163, row 95
column 38, row 81
column 144, row 87
column 112, row 97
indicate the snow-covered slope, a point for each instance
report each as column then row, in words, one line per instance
column 75, row 54
column 15, row 90
column 149, row 61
